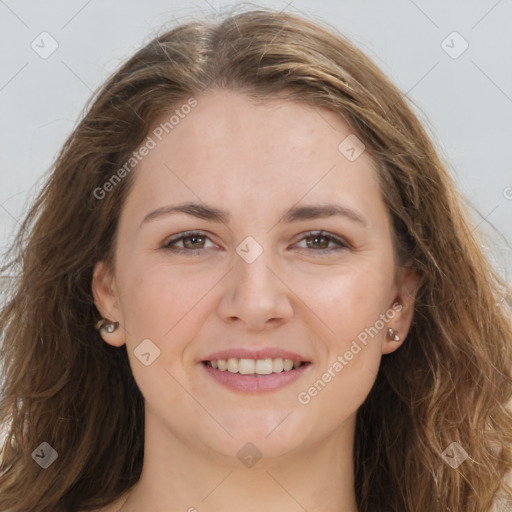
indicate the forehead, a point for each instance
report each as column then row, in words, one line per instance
column 238, row 150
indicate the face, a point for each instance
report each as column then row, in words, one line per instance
column 260, row 271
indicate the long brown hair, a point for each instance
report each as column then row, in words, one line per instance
column 62, row 384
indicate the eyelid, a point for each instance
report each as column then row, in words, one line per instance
column 185, row 234
column 343, row 244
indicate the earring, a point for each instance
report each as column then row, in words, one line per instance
column 393, row 335
column 107, row 325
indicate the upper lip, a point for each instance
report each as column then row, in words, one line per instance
column 264, row 353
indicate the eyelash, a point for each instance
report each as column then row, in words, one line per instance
column 170, row 244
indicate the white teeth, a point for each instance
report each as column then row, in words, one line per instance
column 264, row 366
column 287, row 365
column 277, row 365
column 246, row 366
column 252, row 366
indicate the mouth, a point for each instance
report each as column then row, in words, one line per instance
column 255, row 367
column 252, row 376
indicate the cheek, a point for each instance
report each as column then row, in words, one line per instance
column 147, row 302
column 351, row 306
column 164, row 302
column 337, row 391
column 347, row 300
column 350, row 303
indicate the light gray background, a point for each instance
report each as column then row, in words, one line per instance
column 466, row 101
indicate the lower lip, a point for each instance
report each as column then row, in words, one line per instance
column 254, row 384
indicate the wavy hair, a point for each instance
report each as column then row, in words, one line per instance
column 62, row 384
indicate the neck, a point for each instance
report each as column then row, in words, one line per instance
column 179, row 477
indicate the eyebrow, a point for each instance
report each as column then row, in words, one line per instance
column 294, row 214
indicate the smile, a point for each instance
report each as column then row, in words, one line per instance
column 255, row 375
column 255, row 366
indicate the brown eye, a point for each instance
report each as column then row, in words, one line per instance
column 191, row 242
column 320, row 241
column 195, row 242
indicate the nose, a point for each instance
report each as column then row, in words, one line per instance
column 255, row 295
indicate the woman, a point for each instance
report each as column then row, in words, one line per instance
column 249, row 282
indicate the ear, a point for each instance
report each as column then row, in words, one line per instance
column 408, row 284
column 106, row 301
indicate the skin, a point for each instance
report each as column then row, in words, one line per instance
column 255, row 160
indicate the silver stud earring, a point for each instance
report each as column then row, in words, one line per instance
column 107, row 325
column 393, row 335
